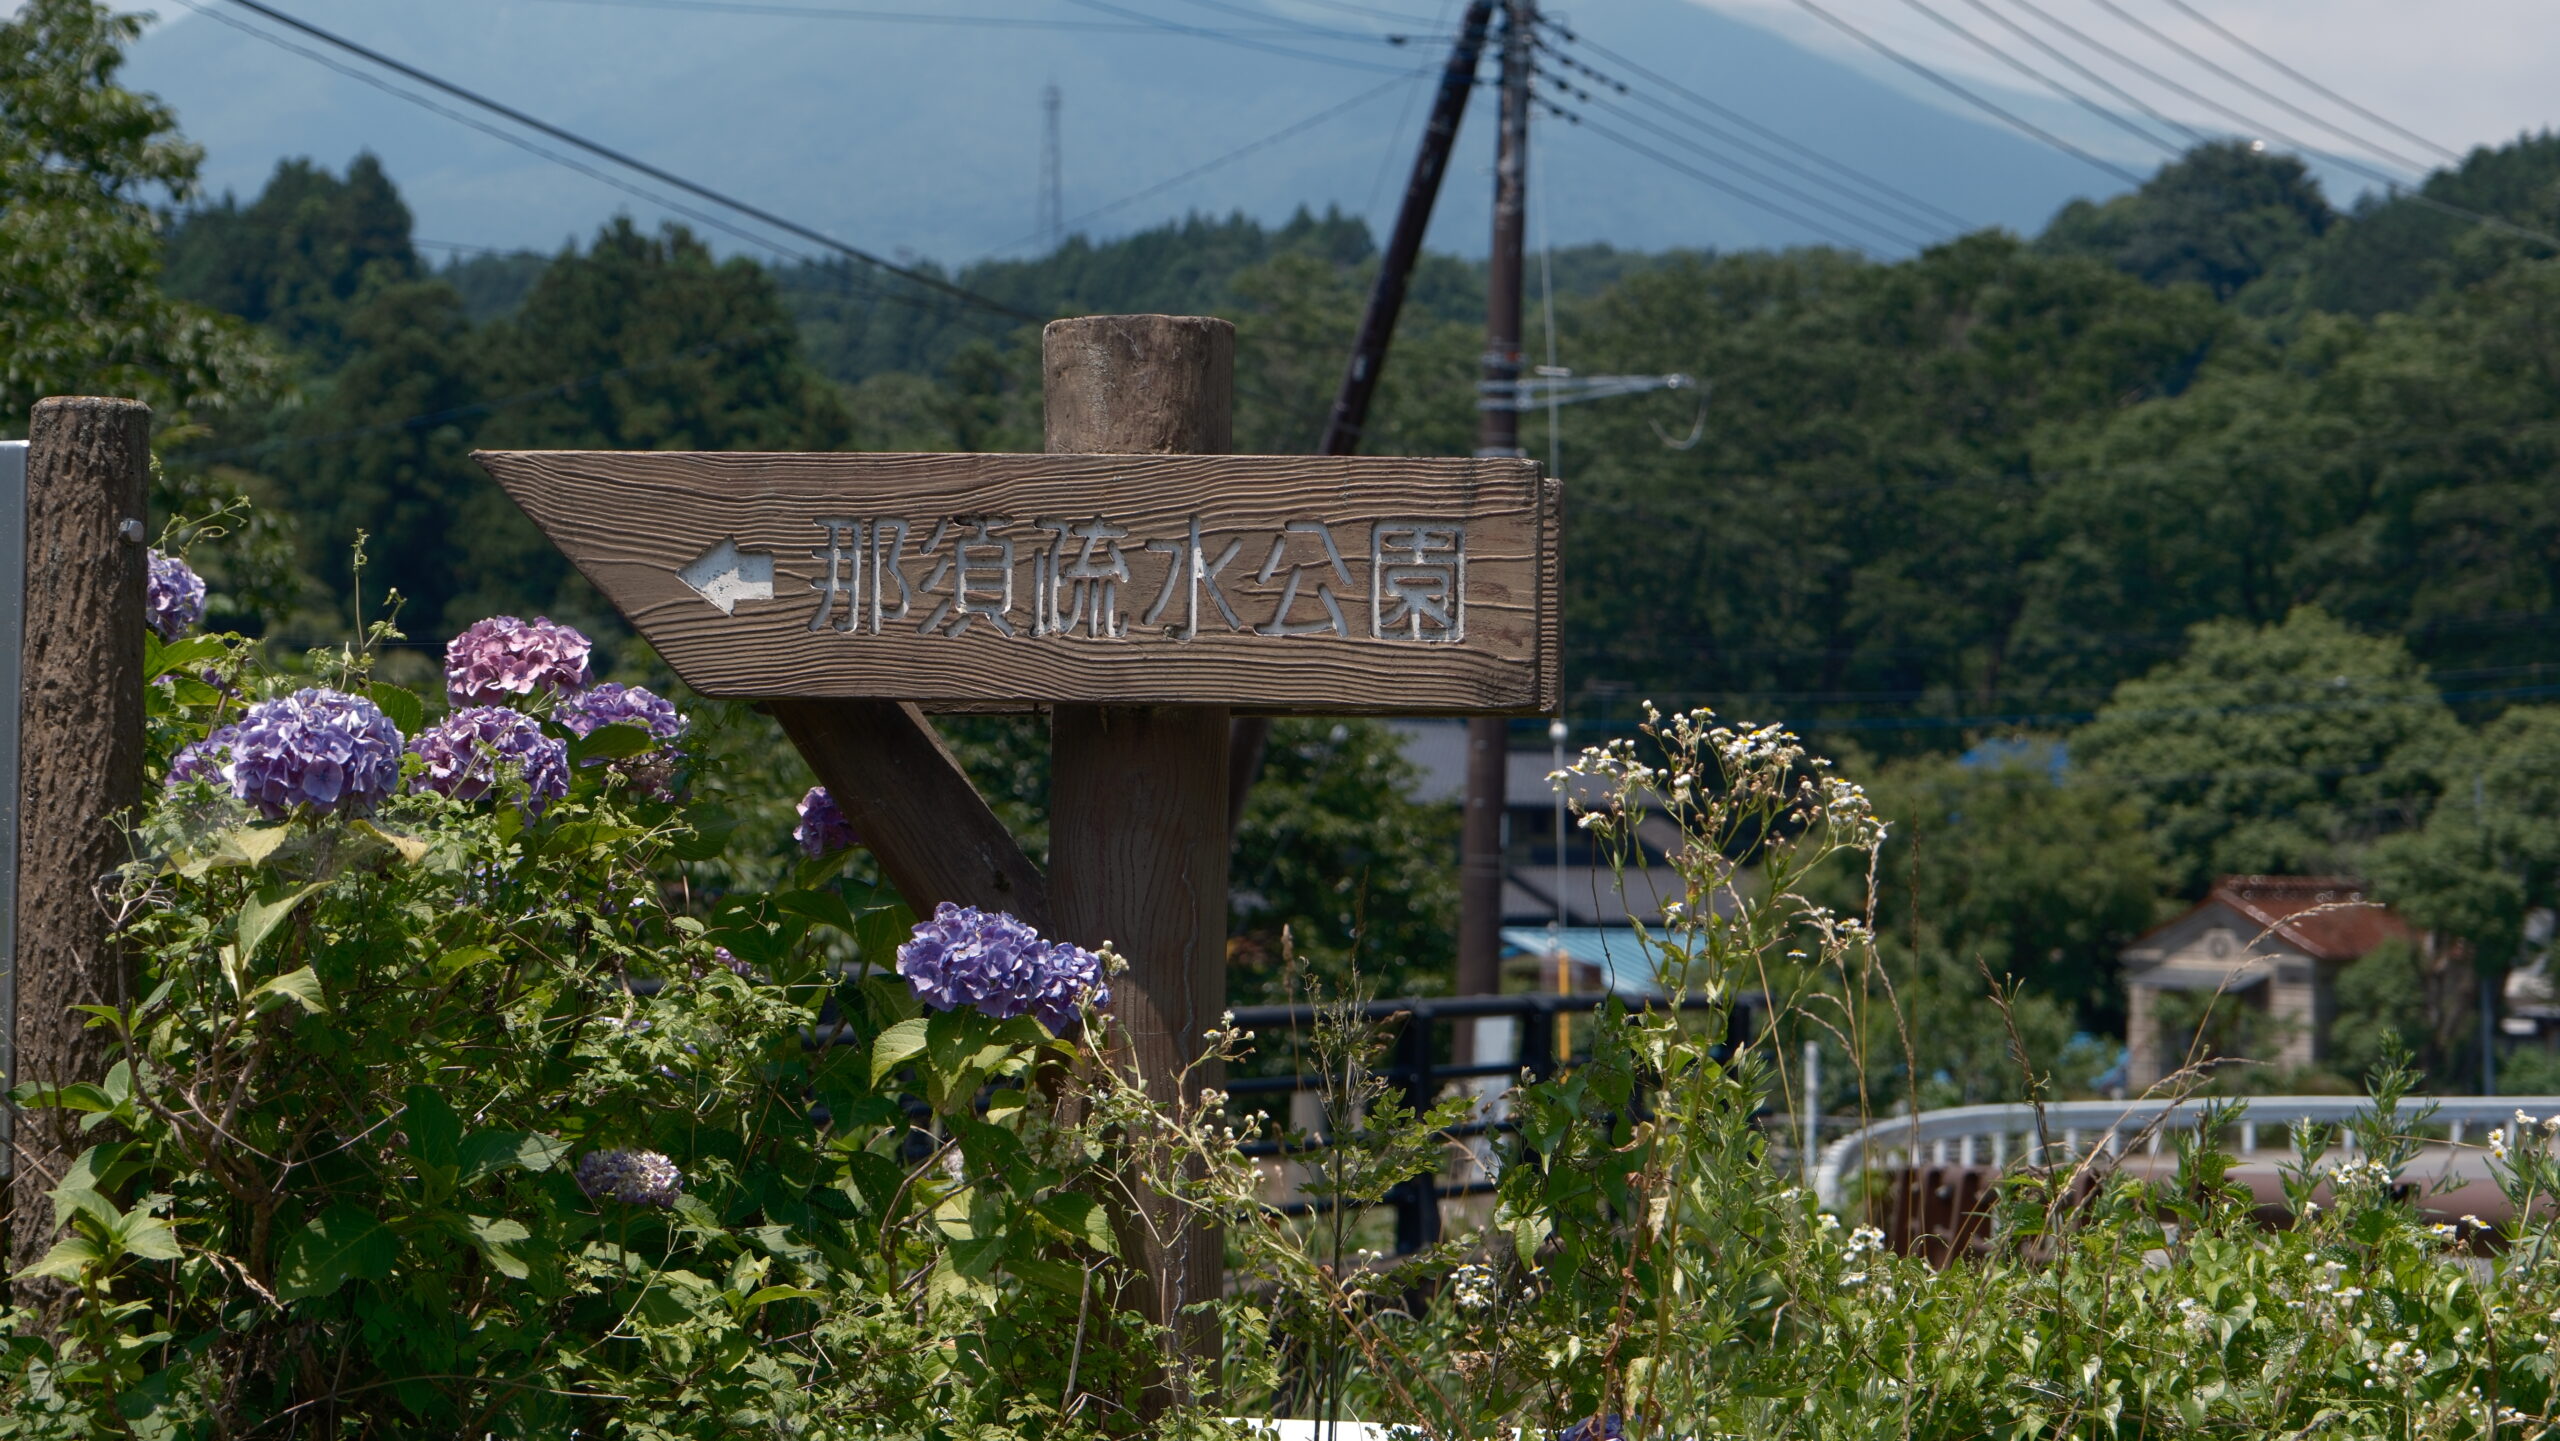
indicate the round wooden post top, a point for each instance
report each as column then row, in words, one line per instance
column 1139, row 385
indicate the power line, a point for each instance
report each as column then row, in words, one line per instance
column 1746, row 122
column 1327, row 32
column 438, row 417
column 2054, row 52
column 1176, row 27
column 2253, row 126
column 1703, row 178
column 1779, row 186
column 1206, row 166
column 2020, row 123
column 1769, row 156
column 2307, row 82
column 2261, row 92
column 895, row 17
column 2047, row 81
column 509, row 137
column 790, row 227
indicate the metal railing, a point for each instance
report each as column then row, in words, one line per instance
column 1416, row 1072
column 1993, row 1135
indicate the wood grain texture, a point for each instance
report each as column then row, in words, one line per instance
column 1138, row 834
column 80, row 727
column 1138, row 385
column 632, row 521
column 915, row 810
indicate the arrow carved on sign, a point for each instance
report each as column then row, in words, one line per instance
column 725, row 575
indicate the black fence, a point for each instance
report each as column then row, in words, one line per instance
column 1417, row 1070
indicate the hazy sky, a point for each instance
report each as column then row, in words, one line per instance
column 2459, row 72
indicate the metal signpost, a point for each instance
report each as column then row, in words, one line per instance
column 13, row 613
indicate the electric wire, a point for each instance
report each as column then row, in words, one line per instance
column 509, row 137
column 667, row 177
column 1176, row 27
column 1328, row 32
column 1395, row 138
column 1736, row 117
column 2307, row 82
column 895, row 17
column 2063, row 58
column 1947, row 23
column 2253, row 126
column 1901, row 215
column 1779, row 186
column 1702, row 177
column 1371, row 12
column 1205, row 167
column 2017, row 122
column 2269, row 96
column 483, row 407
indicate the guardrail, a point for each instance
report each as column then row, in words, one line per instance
column 1992, row 1135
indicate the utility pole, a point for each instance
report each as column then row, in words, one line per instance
column 1053, row 193
column 1497, row 434
column 1350, row 414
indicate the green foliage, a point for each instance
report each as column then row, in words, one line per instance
column 1333, row 848
column 298, row 257
column 81, row 160
column 2041, row 878
column 2275, row 749
column 2220, row 216
column 331, row 1180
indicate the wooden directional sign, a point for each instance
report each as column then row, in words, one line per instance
column 1273, row 583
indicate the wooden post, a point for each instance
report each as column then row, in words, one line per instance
column 1138, row 794
column 80, row 727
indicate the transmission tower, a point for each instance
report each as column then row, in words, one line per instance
column 1053, row 200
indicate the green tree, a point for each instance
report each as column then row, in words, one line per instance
column 1334, row 849
column 2039, row 877
column 2220, row 216
column 641, row 343
column 297, row 259
column 81, row 158
column 2280, row 748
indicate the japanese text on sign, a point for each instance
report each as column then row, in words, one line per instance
column 1090, row 578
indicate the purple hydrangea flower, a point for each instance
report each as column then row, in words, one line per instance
column 614, row 703
column 174, row 598
column 991, row 961
column 1612, row 1427
column 502, row 657
column 204, row 760
column 823, row 829
column 319, row 748
column 652, row 772
column 464, row 751
column 635, row 1178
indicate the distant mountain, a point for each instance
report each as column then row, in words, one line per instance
column 925, row 138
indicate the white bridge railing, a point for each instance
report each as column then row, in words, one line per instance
column 1995, row 1135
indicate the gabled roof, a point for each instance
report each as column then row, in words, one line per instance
column 2329, row 918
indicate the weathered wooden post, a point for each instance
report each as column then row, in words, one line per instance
column 1136, row 581
column 1138, row 795
column 80, row 726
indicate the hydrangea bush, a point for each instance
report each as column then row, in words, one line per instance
column 447, row 1105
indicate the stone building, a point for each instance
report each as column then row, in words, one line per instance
column 2272, row 946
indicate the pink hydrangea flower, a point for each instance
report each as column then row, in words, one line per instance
column 503, row 658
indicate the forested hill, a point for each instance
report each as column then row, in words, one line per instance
column 1927, row 500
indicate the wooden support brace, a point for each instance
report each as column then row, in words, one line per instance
column 933, row 834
